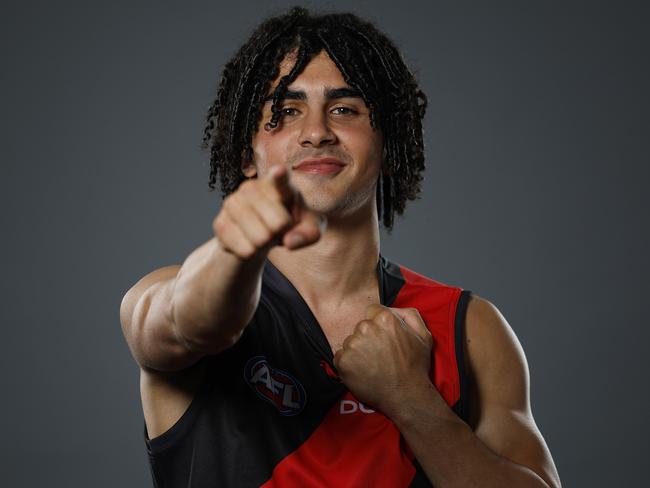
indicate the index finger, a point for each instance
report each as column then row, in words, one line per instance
column 278, row 176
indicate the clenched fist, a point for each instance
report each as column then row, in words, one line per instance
column 264, row 212
column 387, row 354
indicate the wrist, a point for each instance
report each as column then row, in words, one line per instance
column 412, row 391
column 221, row 253
column 419, row 398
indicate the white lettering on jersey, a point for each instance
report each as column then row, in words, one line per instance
column 352, row 406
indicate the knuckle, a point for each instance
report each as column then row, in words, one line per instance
column 340, row 361
column 231, row 203
column 247, row 251
column 364, row 326
column 384, row 316
column 279, row 219
column 226, row 202
column 219, row 224
column 247, row 187
column 261, row 238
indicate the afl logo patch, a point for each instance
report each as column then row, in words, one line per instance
column 277, row 387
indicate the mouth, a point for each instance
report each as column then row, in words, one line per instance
column 320, row 166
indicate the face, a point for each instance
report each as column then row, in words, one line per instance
column 324, row 120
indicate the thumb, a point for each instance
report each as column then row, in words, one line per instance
column 411, row 318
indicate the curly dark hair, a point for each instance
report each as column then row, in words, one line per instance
column 368, row 61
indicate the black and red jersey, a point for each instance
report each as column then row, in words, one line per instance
column 273, row 413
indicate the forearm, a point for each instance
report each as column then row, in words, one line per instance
column 215, row 295
column 449, row 452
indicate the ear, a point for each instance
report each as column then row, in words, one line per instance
column 247, row 166
column 248, row 169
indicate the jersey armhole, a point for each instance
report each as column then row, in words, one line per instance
column 183, row 425
column 173, row 436
column 461, row 407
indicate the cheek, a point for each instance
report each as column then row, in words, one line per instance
column 367, row 146
column 262, row 152
column 259, row 151
column 268, row 147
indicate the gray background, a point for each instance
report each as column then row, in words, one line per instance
column 535, row 198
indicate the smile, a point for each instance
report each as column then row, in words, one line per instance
column 325, row 166
column 321, row 169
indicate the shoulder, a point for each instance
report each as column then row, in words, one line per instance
column 490, row 341
column 494, row 358
column 488, row 332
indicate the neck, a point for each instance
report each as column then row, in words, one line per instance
column 340, row 266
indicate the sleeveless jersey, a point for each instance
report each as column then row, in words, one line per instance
column 272, row 411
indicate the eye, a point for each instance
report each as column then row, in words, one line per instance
column 289, row 111
column 344, row 111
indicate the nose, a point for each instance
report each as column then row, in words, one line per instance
column 315, row 131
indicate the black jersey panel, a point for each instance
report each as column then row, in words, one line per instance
column 391, row 281
column 263, row 397
column 461, row 407
column 182, row 426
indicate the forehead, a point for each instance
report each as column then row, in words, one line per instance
column 320, row 71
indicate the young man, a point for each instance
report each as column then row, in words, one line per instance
column 286, row 350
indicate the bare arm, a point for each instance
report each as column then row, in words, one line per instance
column 175, row 315
column 506, row 448
column 386, row 363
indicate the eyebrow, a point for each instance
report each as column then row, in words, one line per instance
column 330, row 94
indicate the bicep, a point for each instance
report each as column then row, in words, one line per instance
column 501, row 413
column 147, row 325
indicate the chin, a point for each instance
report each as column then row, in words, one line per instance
column 335, row 206
column 320, row 203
